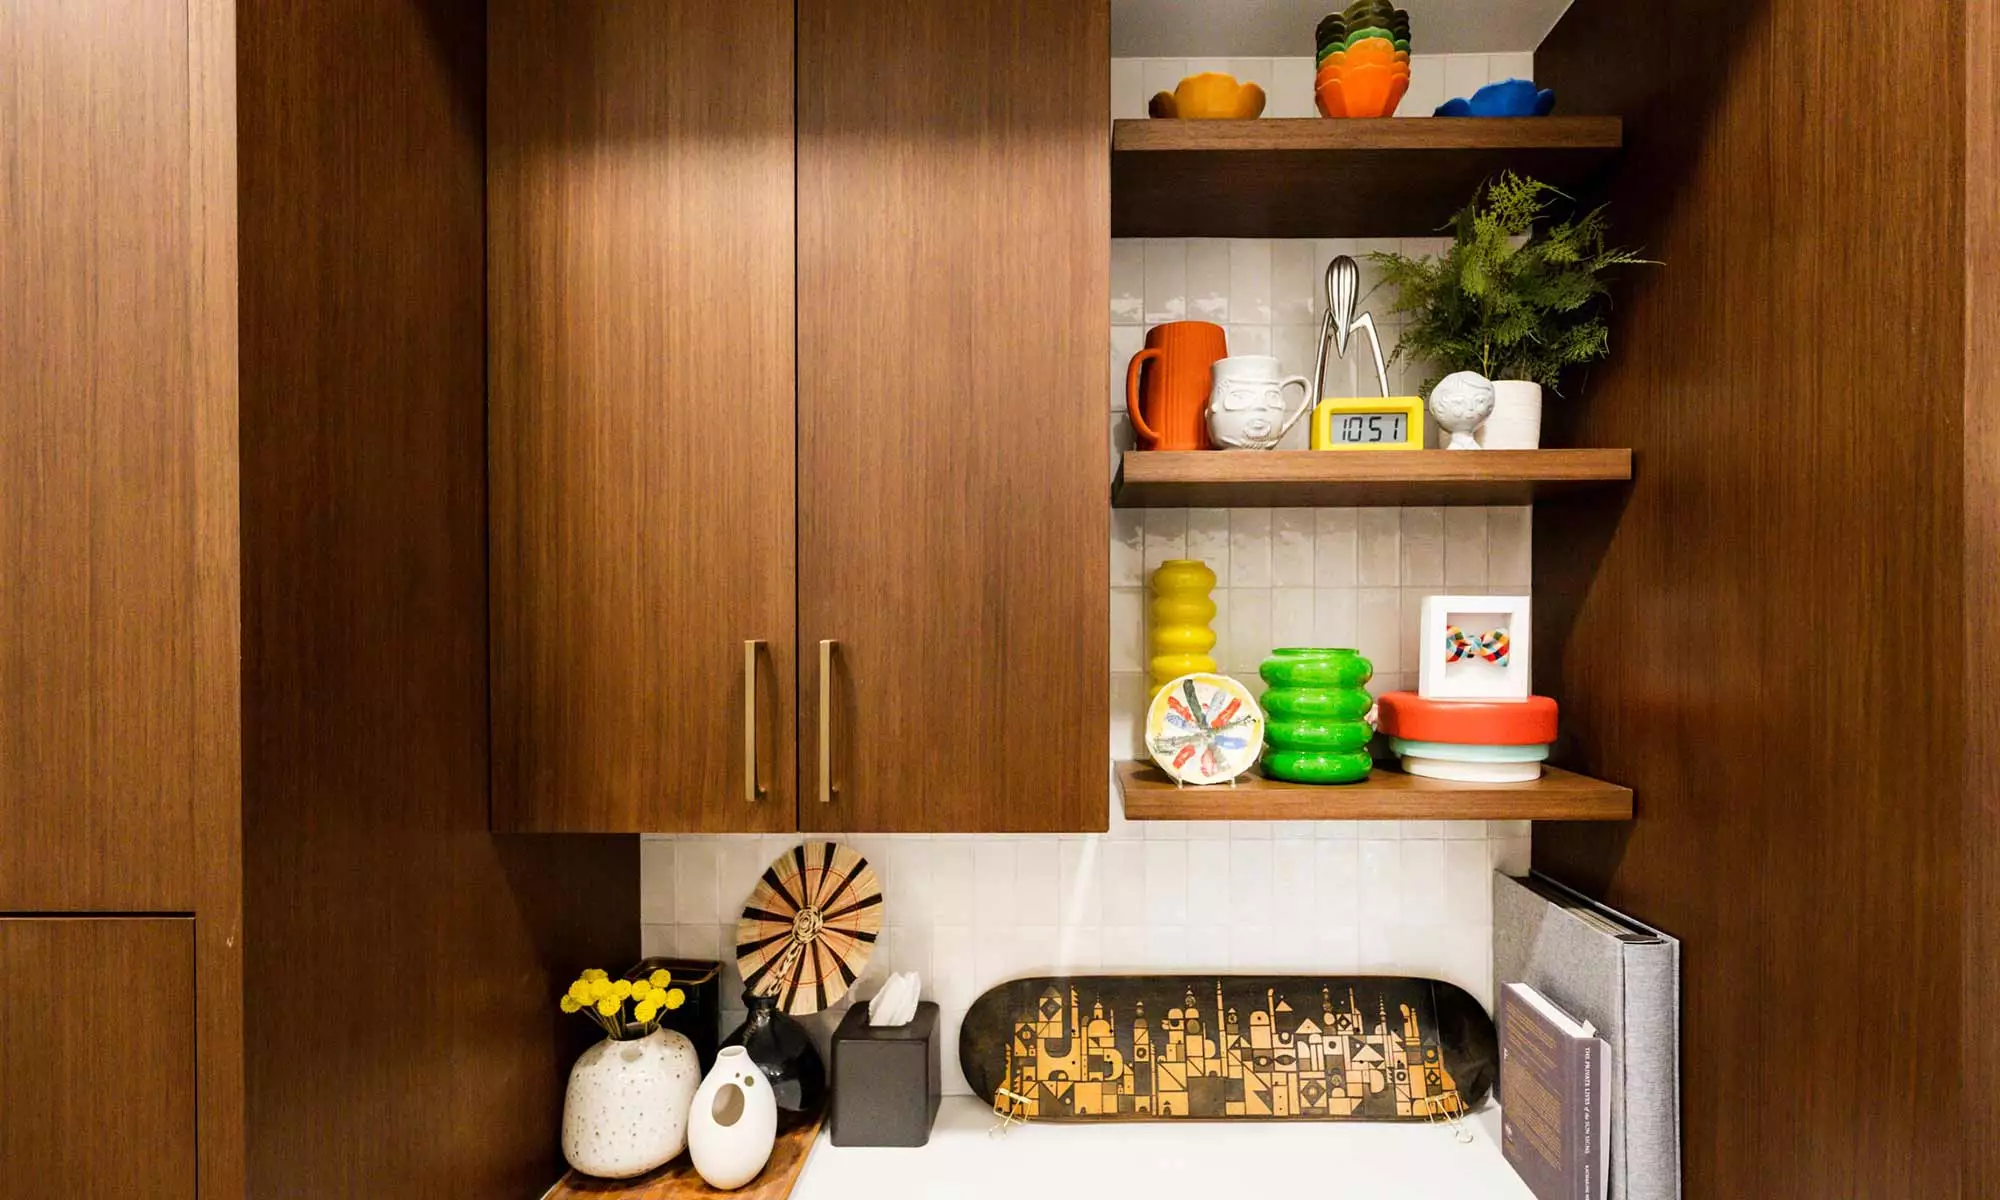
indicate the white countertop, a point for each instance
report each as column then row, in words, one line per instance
column 1223, row 1160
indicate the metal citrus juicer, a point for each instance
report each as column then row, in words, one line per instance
column 1343, row 296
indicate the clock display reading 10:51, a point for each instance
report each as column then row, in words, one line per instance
column 1371, row 429
column 1357, row 425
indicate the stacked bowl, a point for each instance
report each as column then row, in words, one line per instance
column 1471, row 741
column 1364, row 60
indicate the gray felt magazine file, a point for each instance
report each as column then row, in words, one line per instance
column 1623, row 977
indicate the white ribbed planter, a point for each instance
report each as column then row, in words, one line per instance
column 735, row 1121
column 626, row 1110
column 1516, row 423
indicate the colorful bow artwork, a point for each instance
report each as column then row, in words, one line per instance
column 1461, row 646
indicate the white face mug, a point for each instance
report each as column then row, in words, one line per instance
column 1246, row 408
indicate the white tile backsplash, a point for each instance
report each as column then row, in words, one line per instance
column 1166, row 280
column 1465, row 74
column 1404, row 897
column 1249, row 282
column 971, row 912
column 1210, row 275
column 1249, row 549
column 1293, row 533
column 1128, row 284
column 1128, row 88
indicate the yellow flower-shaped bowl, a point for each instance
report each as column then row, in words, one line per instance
column 1210, row 96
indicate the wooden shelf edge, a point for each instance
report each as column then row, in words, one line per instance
column 1313, row 478
column 1317, row 134
column 1387, row 796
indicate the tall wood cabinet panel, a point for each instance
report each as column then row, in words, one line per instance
column 954, row 250
column 642, row 465
column 97, row 1059
column 100, row 483
column 400, row 1039
column 1803, row 821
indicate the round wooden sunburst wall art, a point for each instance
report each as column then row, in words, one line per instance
column 809, row 928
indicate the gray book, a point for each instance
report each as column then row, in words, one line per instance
column 1552, row 1126
column 1623, row 977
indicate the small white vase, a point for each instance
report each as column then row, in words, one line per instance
column 626, row 1110
column 735, row 1121
column 1516, row 423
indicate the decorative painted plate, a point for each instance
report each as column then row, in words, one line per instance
column 809, row 928
column 1204, row 729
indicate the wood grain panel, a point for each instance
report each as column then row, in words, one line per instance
column 1981, row 836
column 1307, row 177
column 97, row 1059
column 1322, row 478
column 642, row 412
column 100, row 478
column 402, row 961
column 953, row 279
column 1767, row 643
column 216, row 627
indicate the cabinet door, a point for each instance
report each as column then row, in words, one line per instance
column 954, row 253
column 102, row 479
column 640, row 208
column 97, row 1085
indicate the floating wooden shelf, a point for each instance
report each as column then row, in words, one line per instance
column 1387, row 796
column 1332, row 478
column 678, row 1181
column 1295, row 178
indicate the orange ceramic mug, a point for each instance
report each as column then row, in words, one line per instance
column 1173, row 414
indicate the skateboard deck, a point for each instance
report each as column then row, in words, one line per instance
column 1230, row 1047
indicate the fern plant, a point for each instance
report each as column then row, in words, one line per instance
column 1508, row 299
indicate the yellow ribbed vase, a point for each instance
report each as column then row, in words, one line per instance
column 1181, row 611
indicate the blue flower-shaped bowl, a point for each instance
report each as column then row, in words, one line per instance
column 1508, row 98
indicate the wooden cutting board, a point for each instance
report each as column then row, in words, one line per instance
column 678, row 1181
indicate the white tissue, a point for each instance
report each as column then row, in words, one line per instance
column 896, row 1003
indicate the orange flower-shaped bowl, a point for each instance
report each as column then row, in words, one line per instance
column 1340, row 63
column 1364, row 92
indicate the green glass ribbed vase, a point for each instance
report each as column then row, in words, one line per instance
column 1315, row 727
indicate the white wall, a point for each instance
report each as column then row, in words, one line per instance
column 1389, row 897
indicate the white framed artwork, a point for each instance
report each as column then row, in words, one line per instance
column 1476, row 648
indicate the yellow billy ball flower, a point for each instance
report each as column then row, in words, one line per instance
column 608, row 1007
column 661, row 978
column 599, row 990
column 570, row 1005
column 621, row 989
column 641, row 989
column 593, row 975
column 676, row 998
column 645, row 1013
column 580, row 992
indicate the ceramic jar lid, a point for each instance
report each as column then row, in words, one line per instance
column 1529, row 722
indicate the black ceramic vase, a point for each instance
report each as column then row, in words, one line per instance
column 782, row 1048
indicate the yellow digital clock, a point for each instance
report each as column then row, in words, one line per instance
column 1392, row 423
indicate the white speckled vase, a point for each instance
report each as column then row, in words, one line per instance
column 735, row 1122
column 626, row 1111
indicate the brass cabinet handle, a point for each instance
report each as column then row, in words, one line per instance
column 752, row 791
column 826, row 788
